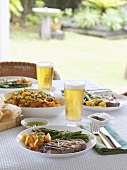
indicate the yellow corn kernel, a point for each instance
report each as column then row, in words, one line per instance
column 39, row 100
column 24, row 93
column 22, row 101
column 14, row 97
column 89, row 103
column 27, row 97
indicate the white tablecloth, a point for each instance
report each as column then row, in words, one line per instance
column 13, row 157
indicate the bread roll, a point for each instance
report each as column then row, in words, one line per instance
column 10, row 112
column 1, row 114
column 1, row 102
column 7, row 115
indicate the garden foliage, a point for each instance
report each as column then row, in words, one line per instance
column 110, row 13
column 15, row 7
column 85, row 14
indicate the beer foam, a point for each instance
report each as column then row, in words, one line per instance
column 44, row 64
column 74, row 85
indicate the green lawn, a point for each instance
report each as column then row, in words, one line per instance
column 75, row 57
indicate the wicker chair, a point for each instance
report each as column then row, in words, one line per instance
column 25, row 69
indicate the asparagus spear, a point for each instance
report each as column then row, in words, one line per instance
column 65, row 135
column 6, row 85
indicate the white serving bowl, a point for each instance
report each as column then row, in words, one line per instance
column 107, row 118
column 27, row 120
column 41, row 112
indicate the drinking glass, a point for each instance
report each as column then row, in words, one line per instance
column 45, row 75
column 74, row 96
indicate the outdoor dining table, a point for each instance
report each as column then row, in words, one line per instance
column 13, row 157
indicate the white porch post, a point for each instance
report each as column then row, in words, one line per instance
column 4, row 30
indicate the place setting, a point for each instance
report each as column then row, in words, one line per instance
column 64, row 140
column 100, row 102
column 103, row 101
column 38, row 105
column 12, row 83
column 108, row 140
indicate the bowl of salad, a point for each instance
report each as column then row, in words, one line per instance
column 36, row 103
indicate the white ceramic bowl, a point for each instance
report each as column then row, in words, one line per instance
column 27, row 120
column 41, row 112
column 107, row 118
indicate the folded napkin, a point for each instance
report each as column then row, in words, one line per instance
column 101, row 148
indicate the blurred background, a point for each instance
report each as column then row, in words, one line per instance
column 88, row 39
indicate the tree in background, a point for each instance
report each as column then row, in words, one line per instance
column 33, row 20
column 63, row 4
column 29, row 4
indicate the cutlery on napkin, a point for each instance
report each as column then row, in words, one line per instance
column 105, row 132
column 101, row 148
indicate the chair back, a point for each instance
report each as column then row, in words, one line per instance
column 18, row 69
column 25, row 69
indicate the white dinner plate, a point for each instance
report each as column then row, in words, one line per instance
column 34, row 83
column 120, row 98
column 90, row 144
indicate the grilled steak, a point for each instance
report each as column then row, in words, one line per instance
column 58, row 146
column 110, row 100
column 112, row 103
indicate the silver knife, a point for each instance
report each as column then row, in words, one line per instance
column 105, row 132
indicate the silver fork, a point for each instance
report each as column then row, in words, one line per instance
column 95, row 130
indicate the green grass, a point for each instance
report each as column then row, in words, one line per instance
column 76, row 57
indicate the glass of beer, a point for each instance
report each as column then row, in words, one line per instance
column 44, row 75
column 74, row 96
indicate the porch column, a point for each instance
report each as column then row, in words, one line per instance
column 4, row 30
